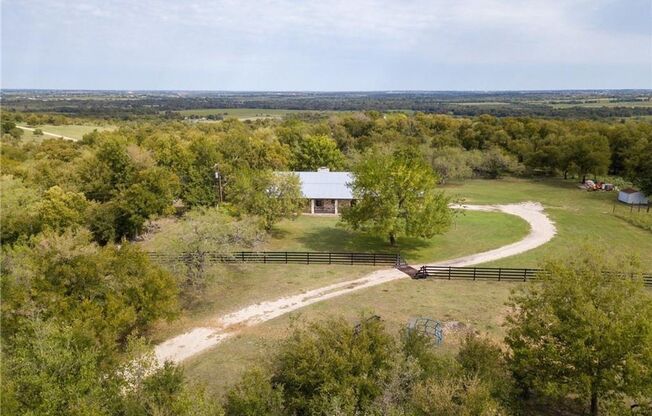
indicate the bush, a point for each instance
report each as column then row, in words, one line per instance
column 165, row 392
column 495, row 163
column 335, row 368
column 254, row 395
column 334, row 359
column 479, row 357
column 110, row 292
column 462, row 396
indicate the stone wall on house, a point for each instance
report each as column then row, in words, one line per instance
column 326, row 206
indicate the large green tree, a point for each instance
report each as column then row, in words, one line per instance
column 17, row 209
column 269, row 195
column 316, row 151
column 396, row 196
column 59, row 210
column 587, row 153
column 107, row 292
column 641, row 172
column 206, row 231
column 584, row 329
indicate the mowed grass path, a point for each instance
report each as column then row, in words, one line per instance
column 73, row 131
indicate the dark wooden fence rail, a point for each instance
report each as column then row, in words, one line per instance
column 488, row 273
column 284, row 257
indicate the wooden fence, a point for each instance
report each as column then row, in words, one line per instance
column 488, row 273
column 284, row 257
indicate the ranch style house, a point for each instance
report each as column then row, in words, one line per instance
column 326, row 191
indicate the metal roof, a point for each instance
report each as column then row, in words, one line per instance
column 325, row 185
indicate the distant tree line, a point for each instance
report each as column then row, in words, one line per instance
column 499, row 104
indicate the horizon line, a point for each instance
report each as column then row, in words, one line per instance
column 324, row 91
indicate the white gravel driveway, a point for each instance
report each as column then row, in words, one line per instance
column 200, row 339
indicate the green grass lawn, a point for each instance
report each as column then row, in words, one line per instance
column 605, row 103
column 477, row 307
column 73, row 131
column 481, row 231
column 580, row 217
column 232, row 287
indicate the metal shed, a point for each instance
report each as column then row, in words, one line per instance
column 632, row 196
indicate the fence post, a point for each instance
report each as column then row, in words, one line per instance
column 264, row 258
column 374, row 259
column 351, row 258
column 286, row 257
column 307, row 257
column 449, row 273
column 499, row 272
column 330, row 257
column 474, row 270
column 525, row 275
column 242, row 254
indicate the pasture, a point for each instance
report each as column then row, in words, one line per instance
column 74, row 131
column 232, row 287
column 605, row 102
column 580, row 217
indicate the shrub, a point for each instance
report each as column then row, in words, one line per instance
column 254, row 395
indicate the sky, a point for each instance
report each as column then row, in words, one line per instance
column 326, row 45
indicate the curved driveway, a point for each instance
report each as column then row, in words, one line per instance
column 200, row 339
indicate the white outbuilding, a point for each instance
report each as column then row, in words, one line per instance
column 632, row 196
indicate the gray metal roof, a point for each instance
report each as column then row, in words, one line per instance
column 325, row 185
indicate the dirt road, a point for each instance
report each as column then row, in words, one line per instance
column 197, row 340
column 45, row 133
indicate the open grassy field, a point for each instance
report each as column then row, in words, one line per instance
column 232, row 287
column 481, row 103
column 481, row 231
column 473, row 307
column 241, row 113
column 605, row 103
column 580, row 217
column 73, row 131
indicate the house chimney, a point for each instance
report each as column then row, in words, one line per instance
column 323, row 169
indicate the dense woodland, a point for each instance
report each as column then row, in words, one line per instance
column 79, row 298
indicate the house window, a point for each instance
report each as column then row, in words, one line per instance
column 319, row 203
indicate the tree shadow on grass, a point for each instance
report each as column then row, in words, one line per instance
column 278, row 234
column 340, row 239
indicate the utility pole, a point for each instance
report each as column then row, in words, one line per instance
column 218, row 178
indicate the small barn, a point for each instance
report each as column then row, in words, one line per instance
column 327, row 192
column 632, row 196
